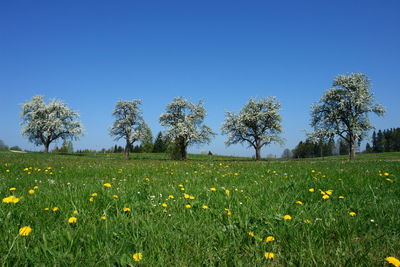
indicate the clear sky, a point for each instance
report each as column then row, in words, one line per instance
column 91, row 54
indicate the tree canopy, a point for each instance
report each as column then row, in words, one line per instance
column 258, row 124
column 343, row 110
column 184, row 125
column 43, row 123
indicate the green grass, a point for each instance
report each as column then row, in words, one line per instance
column 260, row 194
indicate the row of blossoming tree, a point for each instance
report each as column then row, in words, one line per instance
column 342, row 111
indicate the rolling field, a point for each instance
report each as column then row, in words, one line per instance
column 100, row 210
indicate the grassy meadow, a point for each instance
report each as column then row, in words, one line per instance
column 205, row 211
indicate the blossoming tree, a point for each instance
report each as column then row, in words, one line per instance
column 129, row 124
column 343, row 110
column 258, row 123
column 43, row 123
column 184, row 125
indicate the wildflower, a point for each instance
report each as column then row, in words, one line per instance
column 75, row 212
column 227, row 192
column 287, row 217
column 103, row 218
column 213, row 189
column 107, row 185
column 269, row 239
column 325, row 196
column 91, row 199
column 389, row 180
column 55, row 209
column 94, row 195
column 228, row 212
column 329, row 192
column 312, row 170
column 11, row 199
column 352, row 213
column 311, row 190
column 205, row 207
column 115, row 196
column 191, row 197
column 137, row 256
column 188, row 206
column 13, row 189
column 341, row 197
column 36, row 187
column 187, row 196
column 299, row 202
column 25, row 231
column 31, row 191
column 183, row 189
column 269, row 255
column 386, row 174
column 307, row 221
column 126, row 209
column 251, row 234
column 46, row 209
column 171, row 197
column 164, row 205
column 181, row 185
column 72, row 220
column 393, row 261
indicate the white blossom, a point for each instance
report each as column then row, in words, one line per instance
column 43, row 123
column 258, row 123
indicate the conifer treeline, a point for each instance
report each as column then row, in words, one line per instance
column 384, row 141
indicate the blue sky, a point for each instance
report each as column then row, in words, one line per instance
column 91, row 54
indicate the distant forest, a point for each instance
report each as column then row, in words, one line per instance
column 382, row 141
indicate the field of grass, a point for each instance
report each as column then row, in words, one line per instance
column 170, row 213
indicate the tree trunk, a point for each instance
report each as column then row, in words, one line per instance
column 183, row 150
column 352, row 144
column 126, row 151
column 46, row 147
column 258, row 153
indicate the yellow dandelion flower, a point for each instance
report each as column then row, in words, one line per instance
column 182, row 189
column 75, row 212
column 312, row 170
column 311, row 190
column 126, row 209
column 31, row 191
column 181, row 185
column 325, row 196
column 188, row 206
column 72, row 220
column 251, row 234
column 269, row 255
column 36, row 187
column 307, row 221
column 299, row 202
column 91, row 199
column 386, row 173
column 13, row 189
column 25, row 231
column 393, row 261
column 94, row 195
column 227, row 192
column 191, row 197
column 103, row 218
column 205, row 207
column 187, row 196
column 287, row 217
column 55, row 209
column 171, row 197
column 389, row 180
column 137, row 256
column 147, row 179
column 213, row 189
column 46, row 209
column 352, row 213
column 107, row 185
column 11, row 199
column 164, row 205
column 115, row 196
column 329, row 192
column 269, row 239
column 341, row 197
